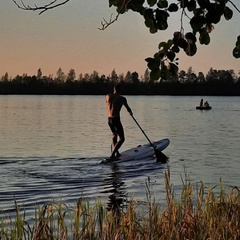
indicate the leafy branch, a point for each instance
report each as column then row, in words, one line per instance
column 202, row 15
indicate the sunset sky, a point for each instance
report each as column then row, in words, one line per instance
column 68, row 37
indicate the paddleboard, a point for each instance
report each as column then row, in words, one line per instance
column 141, row 151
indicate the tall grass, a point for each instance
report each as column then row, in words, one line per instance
column 198, row 214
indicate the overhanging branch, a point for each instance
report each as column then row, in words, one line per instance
column 41, row 9
column 106, row 23
column 237, row 9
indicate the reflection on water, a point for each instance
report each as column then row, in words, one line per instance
column 116, row 189
column 37, row 181
column 51, row 147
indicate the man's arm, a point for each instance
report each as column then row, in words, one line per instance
column 127, row 107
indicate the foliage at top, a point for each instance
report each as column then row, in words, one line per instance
column 201, row 14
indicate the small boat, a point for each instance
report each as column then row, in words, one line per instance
column 203, row 107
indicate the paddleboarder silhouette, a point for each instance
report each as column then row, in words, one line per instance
column 114, row 102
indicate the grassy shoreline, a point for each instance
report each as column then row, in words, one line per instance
column 198, row 214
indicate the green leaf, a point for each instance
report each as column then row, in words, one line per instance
column 155, row 74
column 228, row 13
column 183, row 3
column 160, row 55
column 191, row 6
column 153, row 28
column 161, row 19
column 150, row 21
column 173, row 7
column 238, row 42
column 204, row 37
column 151, row 2
column 112, row 3
column 153, row 63
column 169, row 43
column 191, row 49
column 215, row 11
column 162, row 4
column 236, row 52
column 149, row 59
column 175, row 49
column 162, row 45
column 171, row 55
column 190, row 37
column 148, row 14
column 197, row 23
column 203, row 3
column 182, row 43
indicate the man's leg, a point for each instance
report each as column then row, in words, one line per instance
column 114, row 140
column 117, row 146
column 120, row 133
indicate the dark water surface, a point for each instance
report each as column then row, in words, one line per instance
column 51, row 147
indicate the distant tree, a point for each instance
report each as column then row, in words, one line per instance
column 5, row 78
column 225, row 76
column 189, row 71
column 50, row 76
column 104, row 79
column 191, row 76
column 201, row 77
column 39, row 74
column 211, row 75
column 128, row 77
column 80, row 77
column 71, row 75
column 182, row 76
column 134, row 78
column 121, row 77
column 86, row 77
column 94, row 77
column 233, row 74
column 114, row 76
column 60, row 76
column 220, row 76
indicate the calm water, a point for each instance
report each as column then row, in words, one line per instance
column 51, row 146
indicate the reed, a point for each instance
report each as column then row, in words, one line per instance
column 199, row 213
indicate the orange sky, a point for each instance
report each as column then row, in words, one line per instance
column 68, row 37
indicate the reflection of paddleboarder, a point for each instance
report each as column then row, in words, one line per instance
column 114, row 104
column 118, row 196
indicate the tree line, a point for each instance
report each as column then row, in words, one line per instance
column 215, row 82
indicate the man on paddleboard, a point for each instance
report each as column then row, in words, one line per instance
column 114, row 103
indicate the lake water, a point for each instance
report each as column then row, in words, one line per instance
column 51, row 147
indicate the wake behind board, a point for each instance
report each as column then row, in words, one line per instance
column 141, row 151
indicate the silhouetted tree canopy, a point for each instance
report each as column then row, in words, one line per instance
column 216, row 82
column 202, row 15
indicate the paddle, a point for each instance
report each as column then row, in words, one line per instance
column 159, row 155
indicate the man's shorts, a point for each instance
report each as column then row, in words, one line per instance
column 116, row 126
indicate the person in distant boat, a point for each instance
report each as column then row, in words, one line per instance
column 114, row 103
column 206, row 104
column 201, row 103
